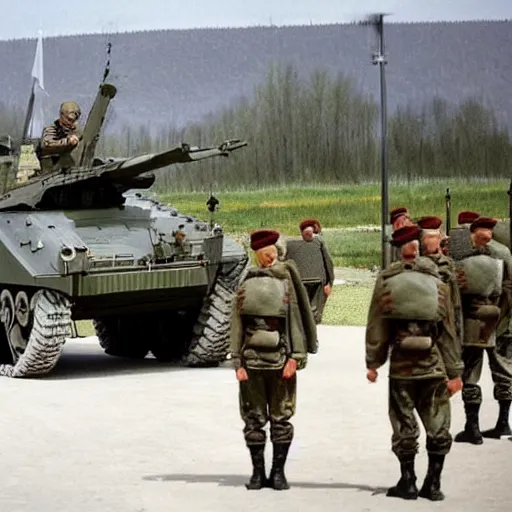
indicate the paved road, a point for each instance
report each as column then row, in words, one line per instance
column 106, row 435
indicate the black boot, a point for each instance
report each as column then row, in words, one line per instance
column 502, row 427
column 431, row 488
column 258, row 478
column 277, row 479
column 406, row 486
column 471, row 433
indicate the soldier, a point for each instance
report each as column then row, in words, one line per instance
column 318, row 278
column 481, row 315
column 412, row 322
column 430, row 247
column 272, row 332
column 59, row 139
column 399, row 217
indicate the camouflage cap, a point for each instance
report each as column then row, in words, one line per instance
column 70, row 106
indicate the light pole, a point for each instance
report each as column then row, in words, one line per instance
column 379, row 58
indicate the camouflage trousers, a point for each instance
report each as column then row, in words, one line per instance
column 500, row 365
column 431, row 400
column 265, row 397
column 317, row 298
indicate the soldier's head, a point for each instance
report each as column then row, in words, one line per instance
column 481, row 231
column 309, row 228
column 407, row 238
column 465, row 218
column 69, row 114
column 399, row 217
column 263, row 244
column 431, row 236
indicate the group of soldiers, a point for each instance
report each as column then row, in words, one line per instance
column 273, row 329
column 433, row 314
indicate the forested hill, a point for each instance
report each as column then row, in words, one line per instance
column 174, row 76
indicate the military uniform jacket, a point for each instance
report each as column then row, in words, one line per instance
column 443, row 360
column 501, row 251
column 471, row 302
column 54, row 147
column 301, row 334
column 447, row 270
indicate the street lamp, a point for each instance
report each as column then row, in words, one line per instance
column 379, row 58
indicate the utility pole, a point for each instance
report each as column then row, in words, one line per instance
column 379, row 58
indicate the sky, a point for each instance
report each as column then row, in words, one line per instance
column 24, row 19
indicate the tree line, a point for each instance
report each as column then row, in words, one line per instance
column 320, row 131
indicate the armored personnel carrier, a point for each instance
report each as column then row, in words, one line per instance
column 74, row 245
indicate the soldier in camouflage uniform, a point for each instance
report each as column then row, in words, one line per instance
column 267, row 351
column 425, row 367
column 430, row 247
column 59, row 139
column 318, row 287
column 473, row 349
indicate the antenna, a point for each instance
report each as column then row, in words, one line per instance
column 107, row 64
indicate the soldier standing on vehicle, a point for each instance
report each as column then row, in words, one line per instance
column 60, row 139
column 482, row 291
column 409, row 318
column 272, row 332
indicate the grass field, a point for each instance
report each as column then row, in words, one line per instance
column 342, row 207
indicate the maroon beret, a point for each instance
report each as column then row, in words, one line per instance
column 404, row 235
column 263, row 238
column 397, row 212
column 483, row 222
column 430, row 222
column 467, row 217
column 310, row 223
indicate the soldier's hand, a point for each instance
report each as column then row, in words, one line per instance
column 386, row 303
column 372, row 375
column 454, row 385
column 289, row 369
column 461, row 278
column 73, row 140
column 327, row 290
column 241, row 375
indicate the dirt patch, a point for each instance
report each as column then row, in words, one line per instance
column 355, row 276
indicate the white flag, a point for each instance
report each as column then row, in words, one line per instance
column 36, row 123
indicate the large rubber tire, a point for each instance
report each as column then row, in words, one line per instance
column 49, row 326
column 123, row 336
column 210, row 341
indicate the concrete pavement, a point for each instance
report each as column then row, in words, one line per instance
column 102, row 434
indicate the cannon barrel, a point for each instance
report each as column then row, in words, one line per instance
column 126, row 169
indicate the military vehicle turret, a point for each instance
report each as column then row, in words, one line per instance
column 72, row 247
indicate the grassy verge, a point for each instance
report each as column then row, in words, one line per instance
column 342, row 207
column 347, row 305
